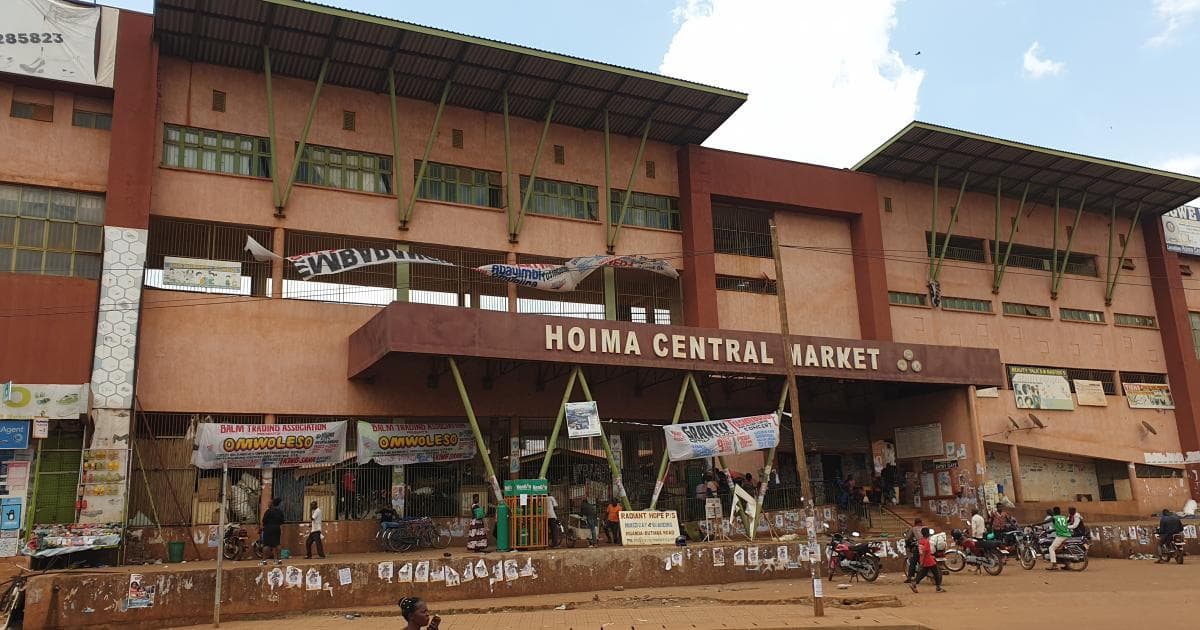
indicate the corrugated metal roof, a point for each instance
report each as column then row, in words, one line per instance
column 913, row 154
column 362, row 48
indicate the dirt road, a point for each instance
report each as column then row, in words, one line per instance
column 1110, row 594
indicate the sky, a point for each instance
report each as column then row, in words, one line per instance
column 830, row 80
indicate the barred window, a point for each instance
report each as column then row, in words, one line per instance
column 645, row 210
column 1194, row 318
column 1152, row 378
column 586, row 301
column 747, row 285
column 901, row 298
column 1140, row 321
column 561, row 199
column 741, row 231
column 216, row 151
column 1147, row 471
column 1027, row 310
column 1041, row 258
column 208, row 241
column 345, row 169
column 460, row 184
column 647, row 298
column 92, row 120
column 966, row 304
column 960, row 248
column 50, row 231
column 1107, row 378
column 32, row 111
column 1080, row 315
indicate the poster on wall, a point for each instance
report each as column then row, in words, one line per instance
column 1090, row 393
column 923, row 440
column 43, row 401
column 204, row 274
column 1041, row 388
column 1181, row 227
column 14, row 434
column 928, row 485
column 56, row 40
column 583, row 419
column 269, row 445
column 648, row 527
column 1148, row 396
column 399, row 444
column 698, row 440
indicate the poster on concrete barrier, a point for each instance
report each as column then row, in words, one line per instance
column 697, row 440
column 400, row 444
column 269, row 445
column 648, row 527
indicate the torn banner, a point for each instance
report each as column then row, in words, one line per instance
column 330, row 261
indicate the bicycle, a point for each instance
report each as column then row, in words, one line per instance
column 413, row 531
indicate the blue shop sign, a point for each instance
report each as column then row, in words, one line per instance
column 14, row 434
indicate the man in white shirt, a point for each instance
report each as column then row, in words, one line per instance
column 978, row 526
column 552, row 517
column 315, row 535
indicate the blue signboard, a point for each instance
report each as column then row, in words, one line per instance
column 14, row 434
column 10, row 513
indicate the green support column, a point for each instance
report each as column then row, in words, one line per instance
column 1116, row 274
column 720, row 458
column 275, row 199
column 433, row 132
column 998, row 277
column 766, row 471
column 1054, row 245
column 612, row 461
column 934, row 223
column 614, row 229
column 312, row 110
column 397, row 184
column 607, row 193
column 403, row 277
column 610, row 293
column 662, row 464
column 527, row 193
column 941, row 257
column 1056, row 281
column 480, row 443
column 996, row 237
column 558, row 420
column 508, row 174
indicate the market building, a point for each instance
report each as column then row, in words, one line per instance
column 995, row 317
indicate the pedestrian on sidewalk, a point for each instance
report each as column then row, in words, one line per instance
column 614, row 521
column 272, row 531
column 314, row 536
column 911, row 545
column 929, row 565
column 416, row 613
column 588, row 510
column 477, row 534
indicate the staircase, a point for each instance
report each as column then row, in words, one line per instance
column 895, row 521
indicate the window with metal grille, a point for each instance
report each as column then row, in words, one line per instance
column 645, row 210
column 1040, row 258
column 747, row 285
column 51, row 232
column 959, row 248
column 647, row 298
column 1148, row 471
column 1027, row 310
column 561, row 199
column 456, row 138
column 460, row 184
column 455, row 286
column 1152, row 378
column 206, row 240
column 560, row 154
column 1194, row 318
column 966, row 304
column 218, row 101
column 741, row 230
column 1106, row 377
column 901, row 298
column 650, row 169
column 587, row 300
column 345, row 169
column 344, row 491
column 1140, row 321
column 92, row 120
column 216, row 151
column 1080, row 315
column 32, row 111
column 349, row 120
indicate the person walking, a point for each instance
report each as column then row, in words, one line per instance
column 314, row 536
column 929, row 565
column 477, row 533
column 588, row 510
column 911, row 544
column 272, row 531
column 978, row 526
column 614, row 521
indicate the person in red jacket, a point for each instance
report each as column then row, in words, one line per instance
column 929, row 565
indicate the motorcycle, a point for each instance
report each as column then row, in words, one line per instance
column 982, row 554
column 1171, row 549
column 1034, row 545
column 856, row 559
column 563, row 535
column 234, row 544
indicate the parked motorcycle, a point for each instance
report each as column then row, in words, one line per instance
column 1036, row 544
column 563, row 535
column 982, row 554
column 856, row 559
column 234, row 544
column 1171, row 549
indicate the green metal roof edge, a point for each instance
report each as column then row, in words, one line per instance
column 1028, row 147
column 491, row 43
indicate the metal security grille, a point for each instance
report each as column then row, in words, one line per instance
column 344, row 491
column 460, row 285
column 586, row 301
column 1143, row 377
column 1041, row 258
column 373, row 284
column 209, row 241
column 647, row 298
column 57, row 482
column 763, row 285
column 960, row 248
column 741, row 231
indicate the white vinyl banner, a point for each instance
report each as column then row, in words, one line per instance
column 50, row 39
column 399, row 444
column 42, row 401
column 567, row 276
column 697, row 440
column 269, row 445
column 339, row 260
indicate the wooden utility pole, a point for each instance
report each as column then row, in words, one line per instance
column 810, row 511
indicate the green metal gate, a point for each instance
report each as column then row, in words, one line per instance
column 57, row 482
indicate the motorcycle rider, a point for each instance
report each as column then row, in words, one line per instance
column 1061, row 533
column 1075, row 522
column 1168, row 525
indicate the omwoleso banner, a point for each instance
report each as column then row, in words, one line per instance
column 698, row 440
column 398, row 444
column 269, row 445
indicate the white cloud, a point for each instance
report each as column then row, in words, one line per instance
column 1174, row 16
column 1188, row 164
column 1036, row 67
column 825, row 85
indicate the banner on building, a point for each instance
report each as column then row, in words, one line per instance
column 269, row 445
column 568, row 275
column 14, row 435
column 60, row 41
column 198, row 272
column 648, row 527
column 1182, row 229
column 583, row 419
column 1090, row 393
column 698, row 440
column 399, row 444
column 338, row 260
column 1148, row 396
column 1041, row 388
column 43, row 401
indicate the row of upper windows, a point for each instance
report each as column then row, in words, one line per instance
column 44, row 112
column 1038, row 311
column 235, row 154
column 50, row 231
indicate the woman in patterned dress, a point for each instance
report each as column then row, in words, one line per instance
column 477, row 534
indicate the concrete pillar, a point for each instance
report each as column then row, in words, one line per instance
column 1135, row 492
column 699, row 275
column 268, row 475
column 1014, row 461
column 980, row 458
column 277, row 239
column 514, row 447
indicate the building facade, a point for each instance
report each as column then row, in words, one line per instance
column 925, row 287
